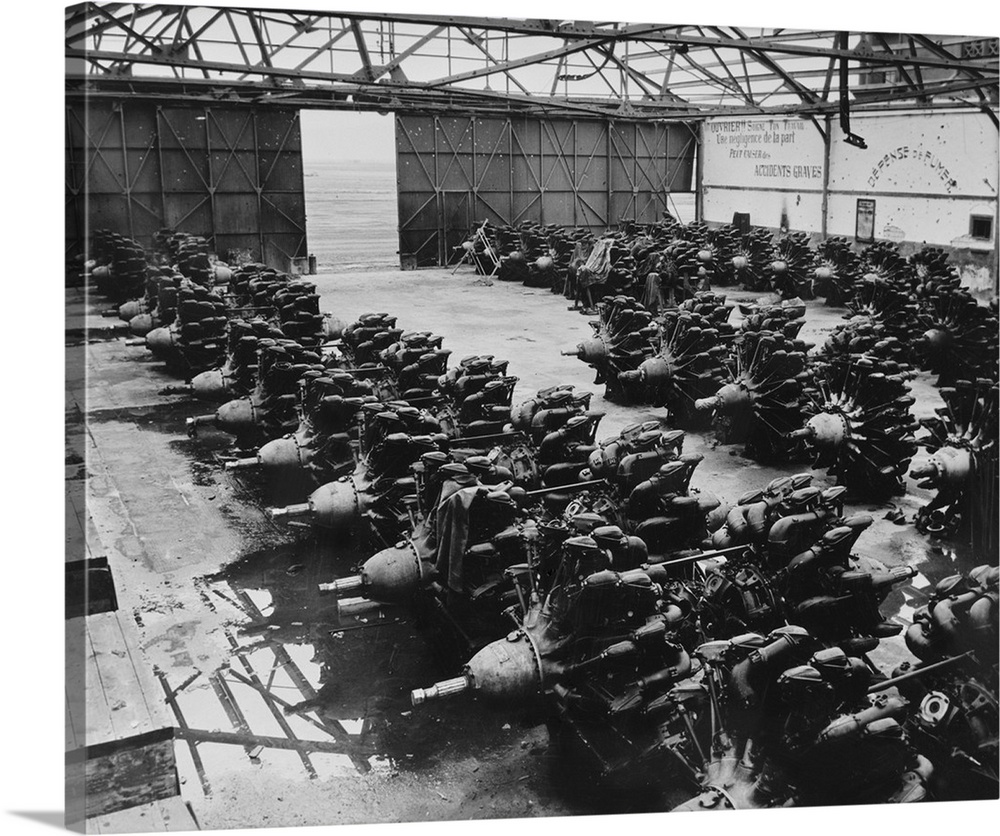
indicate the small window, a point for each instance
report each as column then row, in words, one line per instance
column 981, row 226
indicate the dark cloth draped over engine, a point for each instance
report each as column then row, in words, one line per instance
column 596, row 270
column 445, row 537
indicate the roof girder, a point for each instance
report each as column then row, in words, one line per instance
column 178, row 39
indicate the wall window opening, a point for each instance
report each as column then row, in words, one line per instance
column 981, row 226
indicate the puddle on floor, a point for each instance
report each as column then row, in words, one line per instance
column 933, row 558
column 311, row 690
column 340, row 685
column 304, row 688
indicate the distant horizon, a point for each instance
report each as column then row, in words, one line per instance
column 316, row 160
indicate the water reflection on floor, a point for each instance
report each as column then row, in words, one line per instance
column 311, row 688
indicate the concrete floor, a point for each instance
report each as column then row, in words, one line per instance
column 291, row 718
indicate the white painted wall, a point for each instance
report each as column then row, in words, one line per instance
column 928, row 172
column 767, row 167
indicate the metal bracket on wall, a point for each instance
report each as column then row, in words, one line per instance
column 845, row 107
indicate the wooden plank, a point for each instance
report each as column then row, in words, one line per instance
column 146, row 818
column 76, row 682
column 72, row 740
column 76, row 517
column 166, row 816
column 99, row 727
column 150, row 686
column 121, row 685
column 94, row 546
column 177, row 815
column 125, row 774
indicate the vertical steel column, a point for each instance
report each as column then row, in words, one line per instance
column 607, row 177
column 120, row 109
column 475, row 185
column 438, row 199
column 82, row 213
column 72, row 186
column 541, row 176
column 399, row 183
column 635, row 161
column 157, row 115
column 302, row 189
column 259, row 188
column 211, row 181
column 510, row 167
column 576, row 177
column 699, row 173
column 665, row 182
column 824, row 224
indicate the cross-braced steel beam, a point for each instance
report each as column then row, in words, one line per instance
column 428, row 63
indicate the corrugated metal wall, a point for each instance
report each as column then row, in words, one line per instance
column 456, row 171
column 232, row 175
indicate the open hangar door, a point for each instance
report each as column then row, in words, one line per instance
column 456, row 171
column 232, row 175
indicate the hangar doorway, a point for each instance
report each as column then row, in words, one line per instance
column 349, row 177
